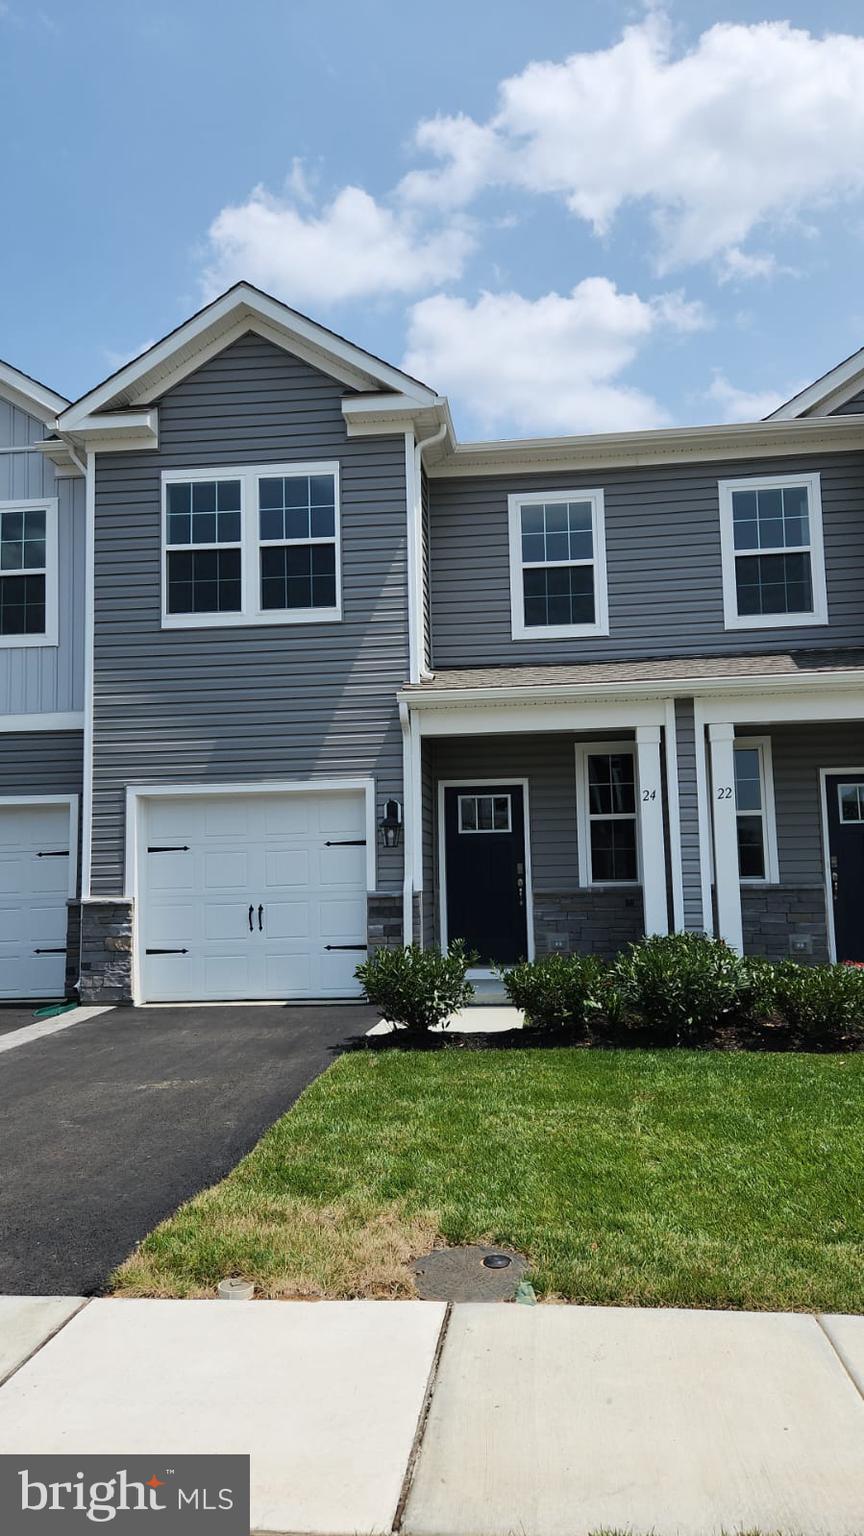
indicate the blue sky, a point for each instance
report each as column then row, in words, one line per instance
column 659, row 219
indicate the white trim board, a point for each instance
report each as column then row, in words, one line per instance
column 824, row 775
column 505, row 781
column 673, row 802
column 29, row 395
column 72, row 720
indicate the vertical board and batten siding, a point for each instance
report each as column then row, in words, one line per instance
column 663, row 560
column 264, row 701
column 688, row 808
column 37, row 679
column 853, row 407
column 798, row 752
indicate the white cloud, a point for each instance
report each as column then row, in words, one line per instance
column 746, row 404
column 753, row 126
column 552, row 364
column 350, row 248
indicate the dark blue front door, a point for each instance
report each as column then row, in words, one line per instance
column 484, row 830
column 845, row 797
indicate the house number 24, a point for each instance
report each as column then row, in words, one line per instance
column 649, row 794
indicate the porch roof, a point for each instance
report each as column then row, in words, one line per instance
column 657, row 674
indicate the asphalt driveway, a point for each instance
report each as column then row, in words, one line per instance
column 108, row 1126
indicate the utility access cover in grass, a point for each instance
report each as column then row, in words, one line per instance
column 472, row 1272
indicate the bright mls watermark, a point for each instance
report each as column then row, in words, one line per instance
column 182, row 1495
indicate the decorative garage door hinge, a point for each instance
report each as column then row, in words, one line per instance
column 182, row 848
column 346, row 946
column 166, row 951
column 346, row 842
column 49, row 951
column 54, row 853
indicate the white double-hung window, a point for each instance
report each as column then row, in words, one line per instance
column 773, row 560
column 28, row 572
column 557, row 565
column 251, row 546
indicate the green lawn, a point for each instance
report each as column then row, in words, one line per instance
column 661, row 1178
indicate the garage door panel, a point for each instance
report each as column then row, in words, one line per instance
column 33, row 899
column 337, row 973
column 172, row 821
column 289, row 920
column 227, row 974
column 171, row 871
column 288, row 817
column 227, row 818
column 345, row 920
column 342, row 866
column 226, row 870
column 227, row 920
column 288, row 975
column 287, row 866
column 342, row 813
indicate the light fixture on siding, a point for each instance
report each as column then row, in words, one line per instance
column 390, row 825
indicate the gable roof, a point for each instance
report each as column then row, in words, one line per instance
column 825, row 394
column 238, row 310
column 29, row 395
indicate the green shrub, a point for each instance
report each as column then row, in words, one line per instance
column 683, row 986
column 417, row 988
column 557, row 991
column 826, row 1000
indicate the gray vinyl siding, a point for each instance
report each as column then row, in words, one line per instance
column 798, row 752
column 45, row 679
column 41, row 762
column 259, row 702
column 688, row 807
column 852, row 407
column 663, row 559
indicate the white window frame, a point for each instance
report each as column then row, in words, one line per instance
column 584, row 818
column 819, row 612
column 761, row 745
column 50, row 635
column 519, row 629
column 850, row 784
column 251, row 545
column 484, row 831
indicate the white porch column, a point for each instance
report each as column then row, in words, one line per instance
column 726, row 879
column 650, row 804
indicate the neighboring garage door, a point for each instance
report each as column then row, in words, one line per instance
column 253, row 896
column 34, row 890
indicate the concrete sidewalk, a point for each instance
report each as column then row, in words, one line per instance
column 484, row 1420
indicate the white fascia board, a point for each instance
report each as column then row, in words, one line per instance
column 180, row 353
column 29, row 395
column 672, row 445
column 60, row 455
column 762, row 683
column 117, row 430
column 376, row 415
column 844, row 381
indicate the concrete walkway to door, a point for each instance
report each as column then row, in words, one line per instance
column 108, row 1126
column 412, row 1419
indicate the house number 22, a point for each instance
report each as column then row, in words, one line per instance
column 725, row 793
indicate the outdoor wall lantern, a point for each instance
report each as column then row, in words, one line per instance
column 390, row 824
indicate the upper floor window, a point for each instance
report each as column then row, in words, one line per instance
column 251, row 546
column 557, row 565
column 773, row 561
column 28, row 572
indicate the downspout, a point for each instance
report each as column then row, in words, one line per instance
column 422, row 572
column 87, row 469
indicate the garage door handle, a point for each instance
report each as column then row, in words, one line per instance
column 260, row 915
column 346, row 946
column 251, row 910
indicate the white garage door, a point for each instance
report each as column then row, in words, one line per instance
column 253, row 896
column 34, row 888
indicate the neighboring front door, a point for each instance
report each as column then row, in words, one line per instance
column 253, row 896
column 845, row 804
column 485, row 874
